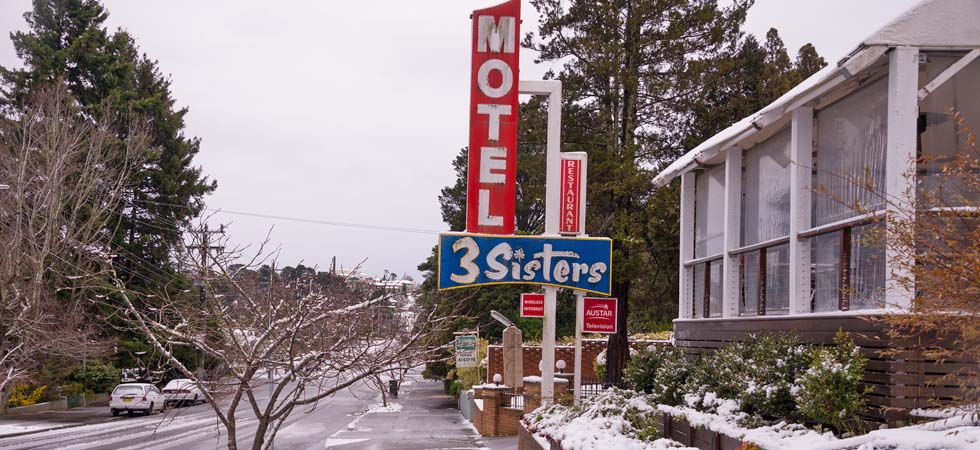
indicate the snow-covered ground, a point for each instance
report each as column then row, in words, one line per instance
column 14, row 427
column 620, row 419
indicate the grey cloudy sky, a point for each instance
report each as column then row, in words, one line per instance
column 353, row 111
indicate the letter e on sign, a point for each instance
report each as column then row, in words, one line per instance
column 600, row 315
column 492, row 160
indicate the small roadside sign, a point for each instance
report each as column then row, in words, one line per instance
column 466, row 351
column 532, row 305
column 600, row 315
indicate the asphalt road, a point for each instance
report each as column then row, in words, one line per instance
column 196, row 428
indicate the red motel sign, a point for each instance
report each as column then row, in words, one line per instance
column 532, row 305
column 600, row 315
column 492, row 166
column 572, row 194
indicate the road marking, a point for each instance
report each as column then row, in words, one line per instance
column 335, row 442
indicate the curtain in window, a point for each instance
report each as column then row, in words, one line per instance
column 850, row 155
column 709, row 212
column 939, row 136
column 777, row 280
column 748, row 304
column 867, row 267
column 825, row 264
column 765, row 183
column 717, row 281
column 698, row 291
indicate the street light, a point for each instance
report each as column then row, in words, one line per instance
column 501, row 318
column 4, row 187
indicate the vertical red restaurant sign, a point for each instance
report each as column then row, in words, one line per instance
column 532, row 305
column 572, row 200
column 492, row 168
column 600, row 315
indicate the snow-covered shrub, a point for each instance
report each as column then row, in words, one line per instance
column 759, row 372
column 661, row 372
column 830, row 390
column 616, row 418
column 600, row 365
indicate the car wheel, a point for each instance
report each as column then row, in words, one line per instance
column 195, row 400
column 115, row 412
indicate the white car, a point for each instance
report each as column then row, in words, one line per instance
column 136, row 397
column 182, row 391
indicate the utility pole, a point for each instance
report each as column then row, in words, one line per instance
column 204, row 247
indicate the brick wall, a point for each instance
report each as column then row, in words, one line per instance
column 532, row 356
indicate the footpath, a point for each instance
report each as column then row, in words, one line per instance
column 423, row 417
column 27, row 423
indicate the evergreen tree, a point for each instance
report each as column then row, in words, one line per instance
column 630, row 62
column 108, row 76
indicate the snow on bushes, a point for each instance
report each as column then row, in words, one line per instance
column 660, row 372
column 830, row 390
column 614, row 419
column 767, row 377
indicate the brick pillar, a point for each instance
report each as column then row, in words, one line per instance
column 493, row 401
column 532, row 394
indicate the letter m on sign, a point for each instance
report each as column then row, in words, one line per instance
column 491, row 183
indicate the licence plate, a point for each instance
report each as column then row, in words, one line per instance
column 127, row 400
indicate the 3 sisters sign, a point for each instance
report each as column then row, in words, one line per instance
column 489, row 252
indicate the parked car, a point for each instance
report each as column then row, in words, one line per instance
column 136, row 397
column 183, row 391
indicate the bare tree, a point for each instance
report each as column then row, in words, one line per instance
column 68, row 176
column 277, row 344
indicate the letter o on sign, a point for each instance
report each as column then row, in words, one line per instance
column 506, row 75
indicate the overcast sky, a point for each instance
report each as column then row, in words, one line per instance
column 353, row 111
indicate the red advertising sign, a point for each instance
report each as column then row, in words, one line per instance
column 532, row 305
column 571, row 196
column 600, row 315
column 492, row 168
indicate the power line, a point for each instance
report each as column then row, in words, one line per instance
column 306, row 220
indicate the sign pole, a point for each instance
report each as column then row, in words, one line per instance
column 579, row 318
column 551, row 88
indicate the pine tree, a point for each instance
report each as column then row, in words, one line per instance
column 630, row 62
column 106, row 73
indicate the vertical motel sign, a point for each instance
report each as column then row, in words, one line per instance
column 492, row 166
column 573, row 181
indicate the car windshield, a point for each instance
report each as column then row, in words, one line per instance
column 128, row 390
column 179, row 384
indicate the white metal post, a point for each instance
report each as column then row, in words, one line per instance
column 800, row 179
column 903, row 113
column 579, row 323
column 686, row 245
column 732, row 236
column 551, row 88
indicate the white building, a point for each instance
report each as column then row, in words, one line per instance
column 762, row 249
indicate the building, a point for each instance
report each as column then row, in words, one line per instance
column 763, row 250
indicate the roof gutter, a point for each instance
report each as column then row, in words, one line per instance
column 803, row 93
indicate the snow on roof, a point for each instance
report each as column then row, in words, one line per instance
column 930, row 23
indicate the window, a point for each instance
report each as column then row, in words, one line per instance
column 846, row 258
column 708, row 285
column 709, row 241
column 850, row 155
column 765, row 185
column 939, row 136
column 709, row 212
column 764, row 270
column 848, row 269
